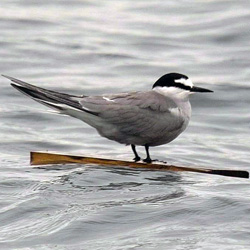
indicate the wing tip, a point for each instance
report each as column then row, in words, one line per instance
column 8, row 77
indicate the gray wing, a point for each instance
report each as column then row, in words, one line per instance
column 130, row 113
column 136, row 113
column 53, row 99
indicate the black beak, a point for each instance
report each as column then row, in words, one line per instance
column 198, row 89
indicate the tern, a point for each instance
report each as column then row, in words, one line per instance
column 144, row 118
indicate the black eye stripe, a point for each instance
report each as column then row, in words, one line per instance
column 181, row 86
column 176, row 84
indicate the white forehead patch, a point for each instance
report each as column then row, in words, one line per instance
column 186, row 82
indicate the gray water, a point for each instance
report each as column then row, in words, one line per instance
column 94, row 47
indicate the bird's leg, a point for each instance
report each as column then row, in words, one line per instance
column 148, row 159
column 137, row 157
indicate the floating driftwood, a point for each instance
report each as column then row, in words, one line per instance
column 41, row 158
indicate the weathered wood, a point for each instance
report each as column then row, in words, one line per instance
column 41, row 158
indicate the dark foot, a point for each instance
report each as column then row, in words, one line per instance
column 137, row 159
column 147, row 160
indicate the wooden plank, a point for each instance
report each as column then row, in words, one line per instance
column 42, row 158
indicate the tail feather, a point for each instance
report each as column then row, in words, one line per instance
column 41, row 98
column 53, row 99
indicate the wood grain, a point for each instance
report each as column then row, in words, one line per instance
column 42, row 158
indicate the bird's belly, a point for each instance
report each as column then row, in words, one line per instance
column 164, row 138
column 157, row 136
column 161, row 130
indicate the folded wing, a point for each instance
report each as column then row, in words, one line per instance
column 118, row 116
column 136, row 113
column 59, row 101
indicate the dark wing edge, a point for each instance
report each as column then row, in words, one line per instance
column 49, row 98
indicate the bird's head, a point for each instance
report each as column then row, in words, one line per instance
column 175, row 84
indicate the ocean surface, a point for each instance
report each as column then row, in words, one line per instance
column 96, row 47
